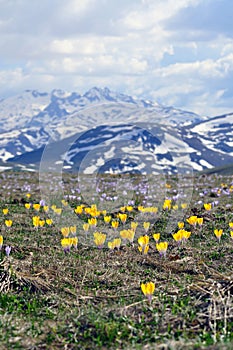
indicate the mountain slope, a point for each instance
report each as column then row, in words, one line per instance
column 217, row 133
column 58, row 115
column 128, row 148
column 102, row 130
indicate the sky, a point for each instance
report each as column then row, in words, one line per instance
column 175, row 52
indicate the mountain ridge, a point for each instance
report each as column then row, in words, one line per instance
column 38, row 119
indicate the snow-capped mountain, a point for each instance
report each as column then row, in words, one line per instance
column 20, row 141
column 62, row 114
column 128, row 148
column 102, row 130
column 16, row 112
column 217, row 133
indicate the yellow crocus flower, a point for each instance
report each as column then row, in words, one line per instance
column 117, row 243
column 107, row 219
column 36, row 206
column 5, row 211
column 130, row 235
column 192, row 220
column 200, row 221
column 146, row 226
column 115, row 224
column 134, row 225
column 78, row 209
column 148, row 290
column 181, row 235
column 186, row 235
column 129, row 208
column 94, row 212
column 66, row 244
column 65, row 231
column 74, row 241
column 162, row 248
column 92, row 221
column 99, row 239
column 207, row 206
column 156, row 237
column 140, row 208
column 143, row 250
column 73, row 230
column 1, row 241
column 86, row 226
column 87, row 210
column 180, row 224
column 122, row 217
column 124, row 234
column 111, row 245
column 49, row 222
column 178, row 236
column 167, row 204
column 36, row 221
column 41, row 223
column 218, row 233
column 57, row 211
column 143, row 240
column 46, row 208
column 146, row 249
column 27, row 205
column 8, row 223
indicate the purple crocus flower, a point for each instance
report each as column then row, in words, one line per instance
column 67, row 250
column 8, row 250
column 42, row 202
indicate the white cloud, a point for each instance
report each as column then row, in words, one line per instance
column 227, row 47
column 166, row 50
column 203, row 69
column 11, row 77
column 76, row 7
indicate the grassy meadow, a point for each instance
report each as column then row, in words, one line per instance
column 75, row 262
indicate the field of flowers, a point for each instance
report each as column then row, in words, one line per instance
column 116, row 262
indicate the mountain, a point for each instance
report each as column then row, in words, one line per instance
column 59, row 111
column 213, row 139
column 217, row 133
column 129, row 147
column 20, row 141
column 106, row 131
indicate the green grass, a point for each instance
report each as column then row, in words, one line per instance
column 91, row 298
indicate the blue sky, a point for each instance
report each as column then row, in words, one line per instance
column 176, row 52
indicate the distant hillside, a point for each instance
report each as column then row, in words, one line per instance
column 223, row 170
